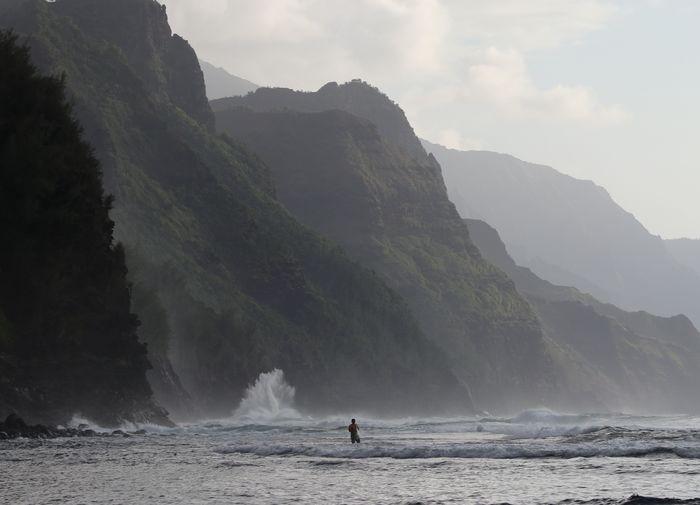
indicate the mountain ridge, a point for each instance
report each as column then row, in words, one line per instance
column 245, row 287
column 548, row 218
column 648, row 363
column 347, row 178
column 220, row 83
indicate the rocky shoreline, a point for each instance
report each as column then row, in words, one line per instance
column 15, row 427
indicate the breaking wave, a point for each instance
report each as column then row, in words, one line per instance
column 464, row 451
column 270, row 399
column 633, row 500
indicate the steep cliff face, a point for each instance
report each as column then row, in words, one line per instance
column 68, row 340
column 570, row 232
column 244, row 286
column 388, row 207
column 624, row 360
column 355, row 97
column 164, row 62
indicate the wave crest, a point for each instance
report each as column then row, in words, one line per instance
column 466, row 451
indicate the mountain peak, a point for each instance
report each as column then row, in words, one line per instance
column 165, row 62
column 356, row 97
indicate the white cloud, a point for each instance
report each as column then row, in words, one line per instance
column 424, row 51
column 501, row 78
column 305, row 43
column 529, row 24
column 454, row 139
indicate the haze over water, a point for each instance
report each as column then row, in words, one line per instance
column 536, row 457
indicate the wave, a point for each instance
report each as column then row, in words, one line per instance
column 270, row 399
column 633, row 500
column 465, row 451
column 651, row 500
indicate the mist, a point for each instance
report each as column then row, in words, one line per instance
column 249, row 249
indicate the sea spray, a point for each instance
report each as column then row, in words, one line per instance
column 269, row 399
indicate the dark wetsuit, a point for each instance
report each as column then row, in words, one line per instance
column 353, row 429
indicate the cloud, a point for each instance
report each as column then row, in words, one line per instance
column 529, row 24
column 454, row 139
column 473, row 51
column 501, row 78
column 305, row 43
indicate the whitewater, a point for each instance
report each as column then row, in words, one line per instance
column 269, row 453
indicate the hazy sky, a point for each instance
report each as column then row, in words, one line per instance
column 606, row 90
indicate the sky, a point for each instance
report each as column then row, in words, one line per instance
column 606, row 90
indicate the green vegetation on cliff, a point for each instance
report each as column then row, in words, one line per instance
column 570, row 232
column 386, row 204
column 607, row 356
column 67, row 337
column 245, row 288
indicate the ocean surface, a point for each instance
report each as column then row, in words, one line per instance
column 267, row 453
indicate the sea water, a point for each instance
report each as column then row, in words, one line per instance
column 268, row 453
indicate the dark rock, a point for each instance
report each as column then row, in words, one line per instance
column 15, row 423
column 138, row 432
column 15, row 427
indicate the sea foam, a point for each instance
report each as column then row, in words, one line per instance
column 269, row 400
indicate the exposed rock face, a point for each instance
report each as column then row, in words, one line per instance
column 244, row 286
column 625, row 360
column 387, row 205
column 570, row 232
column 165, row 62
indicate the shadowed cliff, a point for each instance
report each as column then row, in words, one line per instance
column 386, row 203
column 244, row 287
column 68, row 340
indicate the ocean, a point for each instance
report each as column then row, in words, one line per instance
column 267, row 453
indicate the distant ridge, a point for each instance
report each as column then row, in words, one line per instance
column 566, row 230
column 220, row 83
column 634, row 360
column 686, row 251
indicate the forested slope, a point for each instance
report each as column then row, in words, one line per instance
column 245, row 288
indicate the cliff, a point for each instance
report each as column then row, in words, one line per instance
column 387, row 206
column 245, row 288
column 570, row 232
column 355, row 97
column 68, row 341
column 609, row 357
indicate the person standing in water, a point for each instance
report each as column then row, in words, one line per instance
column 353, row 429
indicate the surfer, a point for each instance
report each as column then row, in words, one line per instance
column 353, row 429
